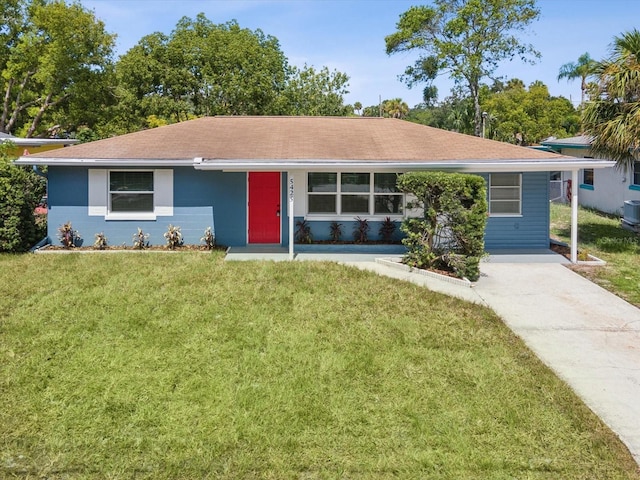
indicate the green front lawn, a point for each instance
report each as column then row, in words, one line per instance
column 182, row 366
column 601, row 235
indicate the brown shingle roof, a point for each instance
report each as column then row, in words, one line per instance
column 299, row 138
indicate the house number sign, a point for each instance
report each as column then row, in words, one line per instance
column 291, row 189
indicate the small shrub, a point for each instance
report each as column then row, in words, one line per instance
column 140, row 240
column 101, row 241
column 335, row 230
column 174, row 237
column 209, row 239
column 361, row 230
column 303, row 233
column 68, row 236
column 387, row 229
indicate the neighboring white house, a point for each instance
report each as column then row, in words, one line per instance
column 604, row 189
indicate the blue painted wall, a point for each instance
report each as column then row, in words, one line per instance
column 531, row 230
column 208, row 198
column 201, row 199
column 321, row 230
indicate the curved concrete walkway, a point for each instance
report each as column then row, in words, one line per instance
column 587, row 335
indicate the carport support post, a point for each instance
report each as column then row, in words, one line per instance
column 574, row 216
column 291, row 195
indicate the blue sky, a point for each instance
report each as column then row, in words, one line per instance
column 348, row 35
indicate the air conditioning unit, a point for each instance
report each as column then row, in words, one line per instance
column 632, row 212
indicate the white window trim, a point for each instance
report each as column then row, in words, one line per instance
column 338, row 194
column 519, row 214
column 99, row 195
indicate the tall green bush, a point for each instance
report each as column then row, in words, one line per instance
column 449, row 233
column 20, row 191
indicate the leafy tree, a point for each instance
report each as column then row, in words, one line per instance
column 612, row 116
column 581, row 69
column 20, row 191
column 371, row 111
column 358, row 107
column 308, row 91
column 55, row 59
column 524, row 117
column 465, row 38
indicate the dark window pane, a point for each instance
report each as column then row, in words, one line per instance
column 636, row 173
column 385, row 182
column 505, row 207
column 132, row 202
column 322, row 203
column 355, row 203
column 322, row 182
column 131, row 181
column 388, row 204
column 505, row 180
column 587, row 177
column 355, row 182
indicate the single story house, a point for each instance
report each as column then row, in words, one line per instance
column 603, row 189
column 253, row 178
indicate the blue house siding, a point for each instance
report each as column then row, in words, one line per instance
column 531, row 230
column 219, row 199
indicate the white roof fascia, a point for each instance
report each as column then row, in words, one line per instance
column 38, row 142
column 103, row 162
column 469, row 166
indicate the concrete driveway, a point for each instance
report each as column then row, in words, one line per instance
column 588, row 336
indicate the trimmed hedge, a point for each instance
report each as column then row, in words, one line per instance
column 20, row 191
column 449, row 234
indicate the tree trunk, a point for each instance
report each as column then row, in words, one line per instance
column 46, row 104
column 5, row 106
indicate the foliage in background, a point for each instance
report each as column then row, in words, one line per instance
column 612, row 115
column 449, row 234
column 20, row 192
column 465, row 38
column 55, row 60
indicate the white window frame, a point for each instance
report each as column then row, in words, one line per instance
column 338, row 194
column 100, row 195
column 492, row 187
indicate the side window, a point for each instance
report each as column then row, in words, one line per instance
column 587, row 176
column 505, row 194
column 131, row 191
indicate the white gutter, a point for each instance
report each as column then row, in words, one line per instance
column 467, row 166
column 103, row 162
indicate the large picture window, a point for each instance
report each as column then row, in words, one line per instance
column 505, row 194
column 131, row 191
column 353, row 194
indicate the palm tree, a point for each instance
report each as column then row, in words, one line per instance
column 357, row 106
column 395, row 108
column 582, row 69
column 612, row 117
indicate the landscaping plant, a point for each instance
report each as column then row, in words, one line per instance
column 68, row 236
column 101, row 241
column 303, row 233
column 361, row 230
column 140, row 239
column 449, row 235
column 387, row 229
column 209, row 239
column 335, row 231
column 174, row 237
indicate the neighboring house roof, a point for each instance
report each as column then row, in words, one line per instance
column 581, row 141
column 35, row 142
column 299, row 142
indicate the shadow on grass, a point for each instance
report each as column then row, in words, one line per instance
column 606, row 237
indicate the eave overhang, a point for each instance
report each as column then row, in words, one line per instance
column 471, row 166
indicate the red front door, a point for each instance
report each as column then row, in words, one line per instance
column 264, row 207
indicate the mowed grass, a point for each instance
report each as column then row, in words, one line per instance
column 182, row 366
column 601, row 235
